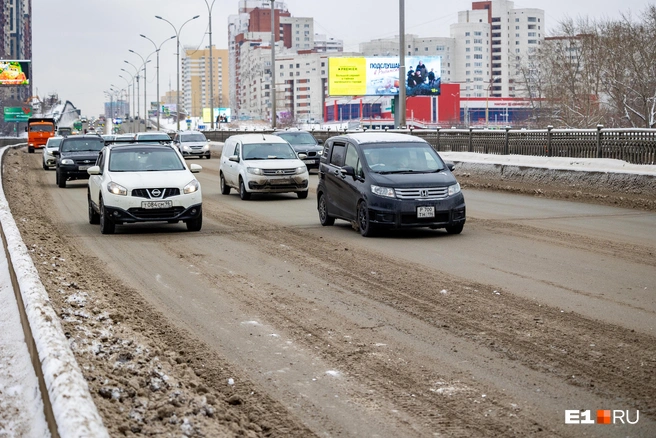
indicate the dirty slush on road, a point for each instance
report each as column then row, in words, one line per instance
column 150, row 377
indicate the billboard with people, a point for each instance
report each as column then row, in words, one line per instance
column 380, row 76
column 14, row 72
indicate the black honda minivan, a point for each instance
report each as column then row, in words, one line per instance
column 387, row 181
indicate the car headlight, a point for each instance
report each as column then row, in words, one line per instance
column 206, row 147
column 388, row 192
column 192, row 187
column 254, row 170
column 186, row 148
column 67, row 161
column 300, row 170
column 116, row 189
column 454, row 189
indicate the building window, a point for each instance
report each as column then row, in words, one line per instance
column 531, row 34
column 478, row 33
column 532, row 19
column 516, row 20
column 478, row 56
column 532, row 41
column 478, row 41
column 467, row 33
column 467, row 41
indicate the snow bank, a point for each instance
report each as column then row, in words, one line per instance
column 74, row 410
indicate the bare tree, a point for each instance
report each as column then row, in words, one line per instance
column 630, row 68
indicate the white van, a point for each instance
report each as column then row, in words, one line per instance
column 262, row 163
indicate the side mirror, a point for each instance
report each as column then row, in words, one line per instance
column 320, row 142
column 234, row 158
column 450, row 165
column 348, row 170
column 56, row 153
column 195, row 168
column 302, row 156
column 93, row 170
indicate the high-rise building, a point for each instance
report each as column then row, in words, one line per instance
column 16, row 41
column 301, row 64
column 196, row 93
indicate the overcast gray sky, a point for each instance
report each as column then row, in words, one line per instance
column 79, row 45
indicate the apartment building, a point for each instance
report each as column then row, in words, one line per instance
column 195, row 71
column 16, row 41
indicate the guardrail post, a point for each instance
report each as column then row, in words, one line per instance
column 549, row 128
column 471, row 142
column 599, row 128
column 506, row 148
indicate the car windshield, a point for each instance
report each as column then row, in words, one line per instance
column 268, row 151
column 41, row 128
column 146, row 159
column 161, row 137
column 193, row 137
column 402, row 158
column 299, row 138
column 82, row 144
column 53, row 142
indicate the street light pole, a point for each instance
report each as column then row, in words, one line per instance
column 273, row 67
column 145, row 61
column 157, row 49
column 402, row 78
column 177, row 35
column 136, row 70
column 127, row 114
column 209, row 9
column 134, row 92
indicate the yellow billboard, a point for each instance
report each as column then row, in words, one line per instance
column 347, row 76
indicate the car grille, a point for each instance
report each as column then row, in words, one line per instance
column 278, row 172
column 155, row 213
column 312, row 154
column 147, row 193
column 422, row 193
column 85, row 162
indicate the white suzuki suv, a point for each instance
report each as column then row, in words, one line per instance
column 143, row 183
column 262, row 163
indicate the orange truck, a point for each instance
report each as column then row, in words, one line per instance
column 39, row 130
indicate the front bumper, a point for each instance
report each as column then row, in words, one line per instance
column 264, row 184
column 73, row 172
column 396, row 213
column 138, row 214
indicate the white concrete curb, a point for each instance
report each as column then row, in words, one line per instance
column 75, row 412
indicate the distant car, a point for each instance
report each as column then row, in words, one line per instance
column 76, row 154
column 304, row 142
column 192, row 144
column 143, row 183
column 261, row 163
column 153, row 136
column 49, row 160
column 388, row 180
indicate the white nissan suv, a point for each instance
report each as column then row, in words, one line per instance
column 142, row 182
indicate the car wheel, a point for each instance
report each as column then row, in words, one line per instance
column 243, row 194
column 45, row 167
column 208, row 156
column 302, row 195
column 324, row 217
column 61, row 180
column 367, row 229
column 195, row 224
column 225, row 188
column 106, row 224
column 30, row 149
column 94, row 217
column 455, row 229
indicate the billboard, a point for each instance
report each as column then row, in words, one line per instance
column 17, row 113
column 379, row 76
column 222, row 114
column 14, row 72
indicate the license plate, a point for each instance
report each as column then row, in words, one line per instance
column 156, row 204
column 425, row 212
column 83, row 167
column 310, row 161
column 279, row 181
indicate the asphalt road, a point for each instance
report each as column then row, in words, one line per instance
column 538, row 306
